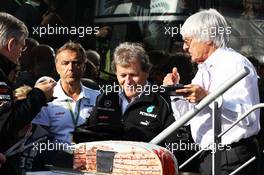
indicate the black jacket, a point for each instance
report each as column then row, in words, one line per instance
column 15, row 115
column 144, row 118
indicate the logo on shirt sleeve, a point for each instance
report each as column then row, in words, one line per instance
column 5, row 97
column 145, row 123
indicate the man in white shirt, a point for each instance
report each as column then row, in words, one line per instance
column 205, row 36
column 74, row 101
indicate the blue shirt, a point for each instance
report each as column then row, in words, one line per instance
column 59, row 113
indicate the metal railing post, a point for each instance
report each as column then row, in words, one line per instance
column 216, row 126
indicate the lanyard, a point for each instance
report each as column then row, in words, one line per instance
column 74, row 119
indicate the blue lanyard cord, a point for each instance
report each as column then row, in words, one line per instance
column 74, row 118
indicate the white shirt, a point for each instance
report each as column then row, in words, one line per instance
column 220, row 66
column 57, row 115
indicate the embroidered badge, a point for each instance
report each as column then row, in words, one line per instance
column 150, row 109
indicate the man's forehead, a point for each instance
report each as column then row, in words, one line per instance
column 186, row 37
column 134, row 63
column 67, row 54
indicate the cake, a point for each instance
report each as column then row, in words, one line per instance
column 122, row 157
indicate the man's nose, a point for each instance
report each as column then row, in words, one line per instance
column 128, row 79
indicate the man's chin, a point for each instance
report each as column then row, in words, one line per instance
column 131, row 94
column 71, row 80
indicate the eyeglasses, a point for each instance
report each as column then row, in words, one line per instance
column 187, row 41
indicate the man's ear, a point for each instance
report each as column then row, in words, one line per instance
column 210, row 43
column 11, row 44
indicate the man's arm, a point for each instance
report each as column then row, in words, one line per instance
column 14, row 116
column 25, row 110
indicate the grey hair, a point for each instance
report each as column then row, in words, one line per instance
column 10, row 27
column 127, row 52
column 73, row 46
column 207, row 25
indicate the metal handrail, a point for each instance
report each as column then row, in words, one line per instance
column 244, row 165
column 253, row 108
column 203, row 103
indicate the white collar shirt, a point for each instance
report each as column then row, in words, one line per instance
column 220, row 66
column 59, row 113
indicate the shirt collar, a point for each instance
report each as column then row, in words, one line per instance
column 211, row 60
column 84, row 93
column 123, row 96
column 60, row 94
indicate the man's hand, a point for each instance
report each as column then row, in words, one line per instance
column 193, row 93
column 172, row 78
column 47, row 87
column 2, row 159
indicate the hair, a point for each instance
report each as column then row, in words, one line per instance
column 42, row 61
column 93, row 56
column 31, row 43
column 127, row 52
column 25, row 61
column 50, row 17
column 21, row 92
column 76, row 47
column 207, row 25
column 10, row 27
column 93, row 64
column 91, row 70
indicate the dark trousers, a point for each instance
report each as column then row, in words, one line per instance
column 233, row 158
